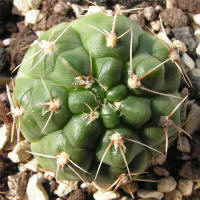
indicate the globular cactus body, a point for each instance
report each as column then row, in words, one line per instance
column 74, row 85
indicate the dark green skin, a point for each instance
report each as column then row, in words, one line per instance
column 68, row 130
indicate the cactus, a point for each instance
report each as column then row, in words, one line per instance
column 98, row 97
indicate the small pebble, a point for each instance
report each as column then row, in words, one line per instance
column 180, row 46
column 187, row 62
column 34, row 4
column 133, row 187
column 105, row 195
column 197, row 186
column 32, row 165
column 173, row 195
column 197, row 61
column 186, row 187
column 124, row 198
column 39, row 33
column 17, row 186
column 160, row 171
column 185, row 34
column 19, row 153
column 197, row 34
column 158, row 8
column 138, row 18
column 4, row 135
column 183, row 145
column 49, row 175
column 94, row 9
column 20, row 7
column 155, row 25
column 6, row 42
column 198, row 50
column 185, row 157
column 33, row 17
column 78, row 10
column 196, row 19
column 65, row 188
column 35, row 189
column 146, row 194
column 166, row 184
column 171, row 4
column 159, row 160
column 149, row 13
column 190, row 171
column 3, row 97
column 193, row 119
column 61, row 8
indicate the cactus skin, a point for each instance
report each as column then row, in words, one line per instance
column 69, row 129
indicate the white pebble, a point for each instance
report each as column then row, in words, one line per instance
column 20, row 7
column 146, row 194
column 187, row 61
column 31, row 165
column 6, row 42
column 19, row 153
column 180, row 46
column 35, row 189
column 33, row 17
column 49, row 175
column 65, row 188
column 155, row 25
column 198, row 50
column 39, row 33
column 186, row 187
column 4, row 135
column 196, row 19
column 158, row 8
column 95, row 9
column 149, row 13
column 105, row 195
column 183, row 144
column 197, row 34
column 166, row 184
column 90, row 186
column 34, row 4
column 78, row 10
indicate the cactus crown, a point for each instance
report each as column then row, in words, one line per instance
column 94, row 95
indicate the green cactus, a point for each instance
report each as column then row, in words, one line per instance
column 96, row 95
